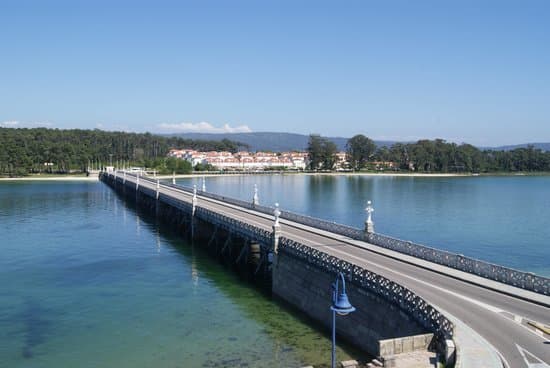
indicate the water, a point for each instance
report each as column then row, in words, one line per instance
column 500, row 219
column 85, row 281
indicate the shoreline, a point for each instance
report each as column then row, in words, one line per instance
column 53, row 178
column 93, row 178
column 181, row 176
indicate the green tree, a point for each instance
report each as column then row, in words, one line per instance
column 322, row 153
column 359, row 150
column 329, row 150
column 315, row 151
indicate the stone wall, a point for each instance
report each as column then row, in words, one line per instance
column 406, row 344
column 308, row 288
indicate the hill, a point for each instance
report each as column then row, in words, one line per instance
column 277, row 142
column 270, row 141
column 541, row 146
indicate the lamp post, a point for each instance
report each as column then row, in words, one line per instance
column 340, row 305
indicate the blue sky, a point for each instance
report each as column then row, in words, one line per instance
column 473, row 71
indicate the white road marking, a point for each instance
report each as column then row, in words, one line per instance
column 524, row 353
column 463, row 297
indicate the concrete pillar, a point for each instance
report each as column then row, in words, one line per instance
column 158, row 188
column 124, row 177
column 203, row 184
column 137, row 182
column 173, row 177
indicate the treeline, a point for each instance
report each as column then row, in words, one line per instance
column 426, row 156
column 38, row 150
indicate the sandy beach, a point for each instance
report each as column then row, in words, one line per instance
column 52, row 178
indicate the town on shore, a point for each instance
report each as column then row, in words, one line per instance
column 42, row 151
column 260, row 161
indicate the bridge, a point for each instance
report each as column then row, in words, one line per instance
column 475, row 314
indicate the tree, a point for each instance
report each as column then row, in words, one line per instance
column 27, row 150
column 359, row 150
column 322, row 153
column 315, row 151
column 329, row 154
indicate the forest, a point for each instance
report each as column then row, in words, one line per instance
column 42, row 150
column 427, row 156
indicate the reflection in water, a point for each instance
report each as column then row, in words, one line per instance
column 294, row 337
column 129, row 293
column 158, row 242
column 498, row 219
column 35, row 326
column 194, row 272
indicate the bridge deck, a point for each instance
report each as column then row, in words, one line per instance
column 487, row 312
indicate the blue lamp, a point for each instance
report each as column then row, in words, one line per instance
column 340, row 305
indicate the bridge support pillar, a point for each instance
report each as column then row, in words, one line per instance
column 173, row 177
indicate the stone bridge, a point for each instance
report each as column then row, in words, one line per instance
column 408, row 296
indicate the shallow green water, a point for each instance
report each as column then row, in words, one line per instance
column 85, row 281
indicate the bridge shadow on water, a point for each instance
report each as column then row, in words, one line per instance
column 289, row 327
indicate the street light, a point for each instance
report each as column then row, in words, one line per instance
column 340, row 305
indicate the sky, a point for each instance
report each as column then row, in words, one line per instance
column 465, row 71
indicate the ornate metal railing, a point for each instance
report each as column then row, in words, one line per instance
column 409, row 302
column 521, row 279
column 237, row 227
column 509, row 276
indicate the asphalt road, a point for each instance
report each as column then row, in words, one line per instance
column 489, row 313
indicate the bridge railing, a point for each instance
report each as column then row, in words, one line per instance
column 235, row 226
column 506, row 275
column 412, row 304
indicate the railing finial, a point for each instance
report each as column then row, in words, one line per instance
column 369, row 225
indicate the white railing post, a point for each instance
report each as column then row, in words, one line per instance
column 369, row 225
column 255, row 198
column 276, row 228
column 194, row 200
column 158, row 188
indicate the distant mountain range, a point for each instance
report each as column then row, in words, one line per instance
column 541, row 146
column 271, row 141
column 276, row 142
